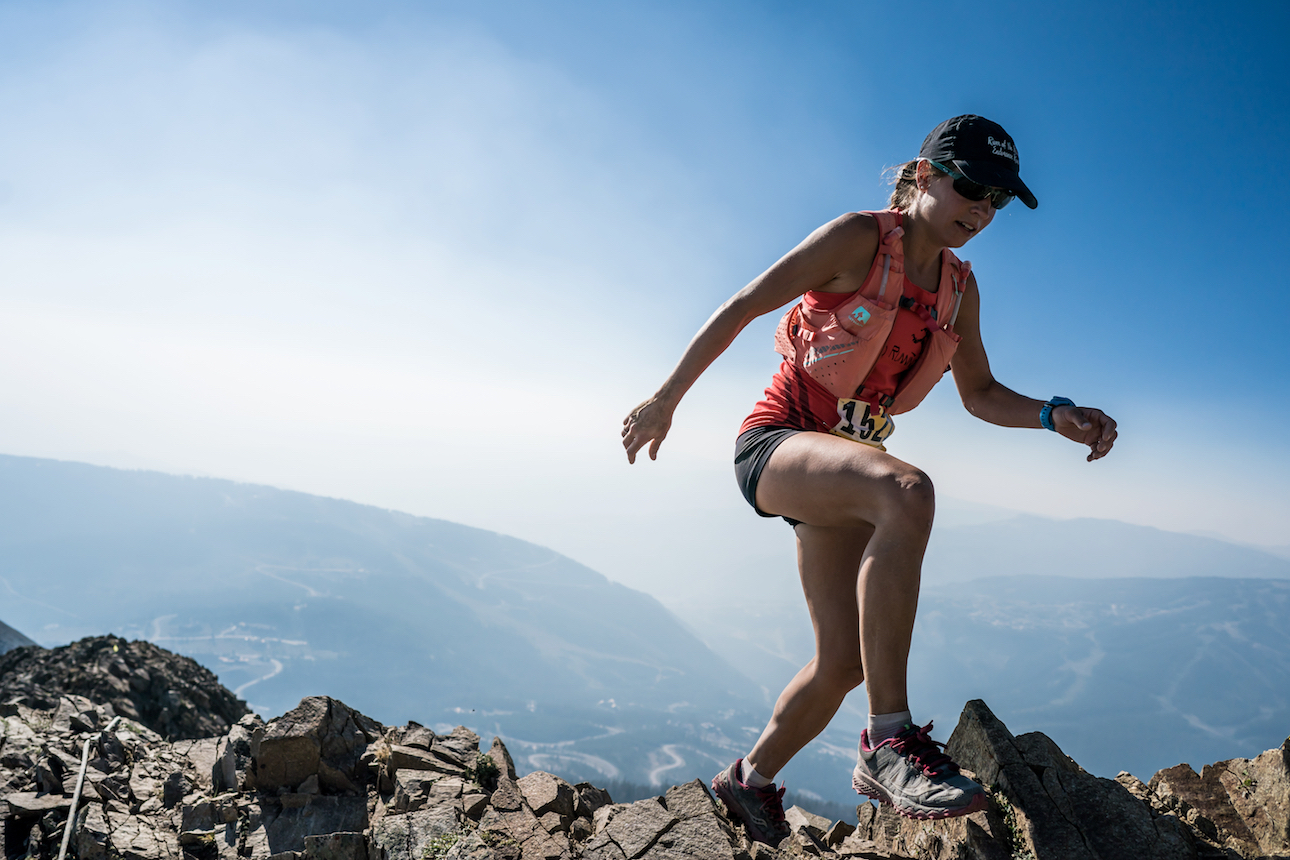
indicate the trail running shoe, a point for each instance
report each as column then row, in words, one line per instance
column 910, row 774
column 760, row 809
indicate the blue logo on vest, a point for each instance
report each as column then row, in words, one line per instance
column 860, row 316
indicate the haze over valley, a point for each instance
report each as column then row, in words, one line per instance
column 285, row 595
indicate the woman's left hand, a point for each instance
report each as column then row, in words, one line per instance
column 1091, row 427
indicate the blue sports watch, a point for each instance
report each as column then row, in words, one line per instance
column 1046, row 414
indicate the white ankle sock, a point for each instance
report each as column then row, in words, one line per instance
column 749, row 776
column 883, row 726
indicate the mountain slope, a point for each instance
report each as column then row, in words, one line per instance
column 186, row 558
column 1002, row 546
column 1136, row 673
column 284, row 594
column 10, row 638
column 1088, row 549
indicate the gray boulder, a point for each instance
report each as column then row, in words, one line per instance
column 321, row 738
column 1241, row 805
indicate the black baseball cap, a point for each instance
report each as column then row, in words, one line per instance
column 981, row 150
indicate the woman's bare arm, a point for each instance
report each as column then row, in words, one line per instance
column 988, row 399
column 831, row 255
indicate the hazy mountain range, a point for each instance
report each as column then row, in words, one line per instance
column 10, row 638
column 284, row 595
column 1144, row 647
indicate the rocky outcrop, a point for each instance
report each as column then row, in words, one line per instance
column 1240, row 804
column 1046, row 807
column 324, row 782
column 173, row 696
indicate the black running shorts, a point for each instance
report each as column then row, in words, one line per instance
column 752, row 452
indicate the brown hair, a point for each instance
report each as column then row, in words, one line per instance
column 905, row 179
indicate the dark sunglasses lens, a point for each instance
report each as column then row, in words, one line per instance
column 971, row 190
column 976, row 191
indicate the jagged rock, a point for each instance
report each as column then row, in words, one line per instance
column 92, row 834
column 1045, row 805
column 203, row 754
column 511, row 819
column 141, row 837
column 336, row 846
column 549, row 795
column 233, row 755
column 30, row 804
column 170, row 694
column 857, row 846
column 628, row 830
column 1242, row 805
column 410, row 836
column 684, row 823
column 980, row 836
column 700, row 830
column 106, row 832
column 412, row 735
column 412, row 758
column 323, row 782
column 799, row 819
column 473, row 805
column 78, row 714
column 413, row 794
column 461, row 745
column 319, row 737
column 837, row 832
column 502, row 758
column 589, row 799
column 300, row 816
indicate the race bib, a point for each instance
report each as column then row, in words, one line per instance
column 863, row 422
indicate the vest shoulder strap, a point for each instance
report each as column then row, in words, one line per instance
column 889, row 274
column 953, row 272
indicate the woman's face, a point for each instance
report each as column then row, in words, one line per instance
column 953, row 217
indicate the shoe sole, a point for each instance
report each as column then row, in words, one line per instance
column 869, row 787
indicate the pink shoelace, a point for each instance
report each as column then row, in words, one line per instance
column 773, row 802
column 926, row 753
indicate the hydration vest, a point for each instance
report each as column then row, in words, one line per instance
column 838, row 348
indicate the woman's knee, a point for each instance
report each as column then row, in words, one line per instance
column 840, row 676
column 910, row 498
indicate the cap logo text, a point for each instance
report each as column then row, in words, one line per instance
column 1004, row 148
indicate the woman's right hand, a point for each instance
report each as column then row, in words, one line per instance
column 648, row 422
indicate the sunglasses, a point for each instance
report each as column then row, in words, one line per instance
column 999, row 197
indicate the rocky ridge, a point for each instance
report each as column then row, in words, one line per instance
column 324, row 782
column 174, row 696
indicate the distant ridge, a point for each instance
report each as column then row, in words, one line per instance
column 281, row 593
column 11, row 639
column 1090, row 549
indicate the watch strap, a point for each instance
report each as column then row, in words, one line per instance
column 1046, row 414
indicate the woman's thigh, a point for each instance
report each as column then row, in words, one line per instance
column 825, row 480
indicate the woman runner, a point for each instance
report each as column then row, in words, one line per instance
column 884, row 305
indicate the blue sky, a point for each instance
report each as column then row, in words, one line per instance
column 426, row 255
